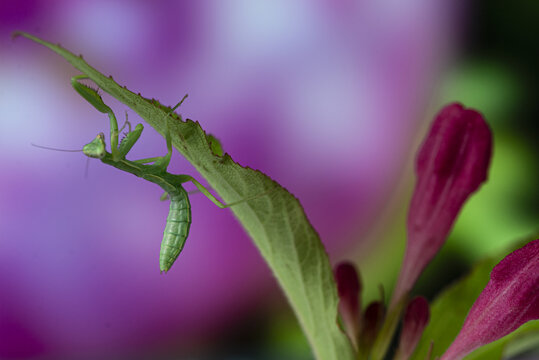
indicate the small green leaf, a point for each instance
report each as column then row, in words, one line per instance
column 276, row 222
column 449, row 310
column 517, row 341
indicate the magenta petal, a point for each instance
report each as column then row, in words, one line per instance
column 416, row 318
column 451, row 164
column 510, row 299
column 349, row 288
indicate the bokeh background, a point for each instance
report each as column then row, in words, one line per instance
column 329, row 98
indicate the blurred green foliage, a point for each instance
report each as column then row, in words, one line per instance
column 496, row 74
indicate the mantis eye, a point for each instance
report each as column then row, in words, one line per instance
column 96, row 149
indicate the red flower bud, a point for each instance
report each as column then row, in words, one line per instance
column 373, row 319
column 416, row 318
column 510, row 299
column 349, row 288
column 451, row 164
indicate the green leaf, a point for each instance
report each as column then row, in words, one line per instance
column 276, row 222
column 516, row 342
column 449, row 310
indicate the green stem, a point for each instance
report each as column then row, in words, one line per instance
column 385, row 335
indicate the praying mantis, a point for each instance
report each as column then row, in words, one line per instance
column 152, row 169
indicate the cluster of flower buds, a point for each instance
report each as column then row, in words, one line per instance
column 363, row 327
column 452, row 164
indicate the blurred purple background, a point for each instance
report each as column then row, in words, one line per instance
column 326, row 97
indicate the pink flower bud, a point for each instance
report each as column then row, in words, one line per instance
column 510, row 299
column 349, row 288
column 416, row 318
column 451, row 164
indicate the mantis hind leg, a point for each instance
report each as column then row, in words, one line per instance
column 212, row 198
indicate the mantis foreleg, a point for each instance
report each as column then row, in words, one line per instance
column 93, row 97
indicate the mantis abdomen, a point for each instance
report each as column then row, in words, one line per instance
column 177, row 228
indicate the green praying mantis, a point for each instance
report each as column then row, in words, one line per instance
column 152, row 169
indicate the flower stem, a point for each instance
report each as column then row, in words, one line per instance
column 385, row 335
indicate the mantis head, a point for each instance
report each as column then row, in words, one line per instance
column 96, row 149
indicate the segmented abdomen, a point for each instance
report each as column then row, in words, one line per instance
column 176, row 230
